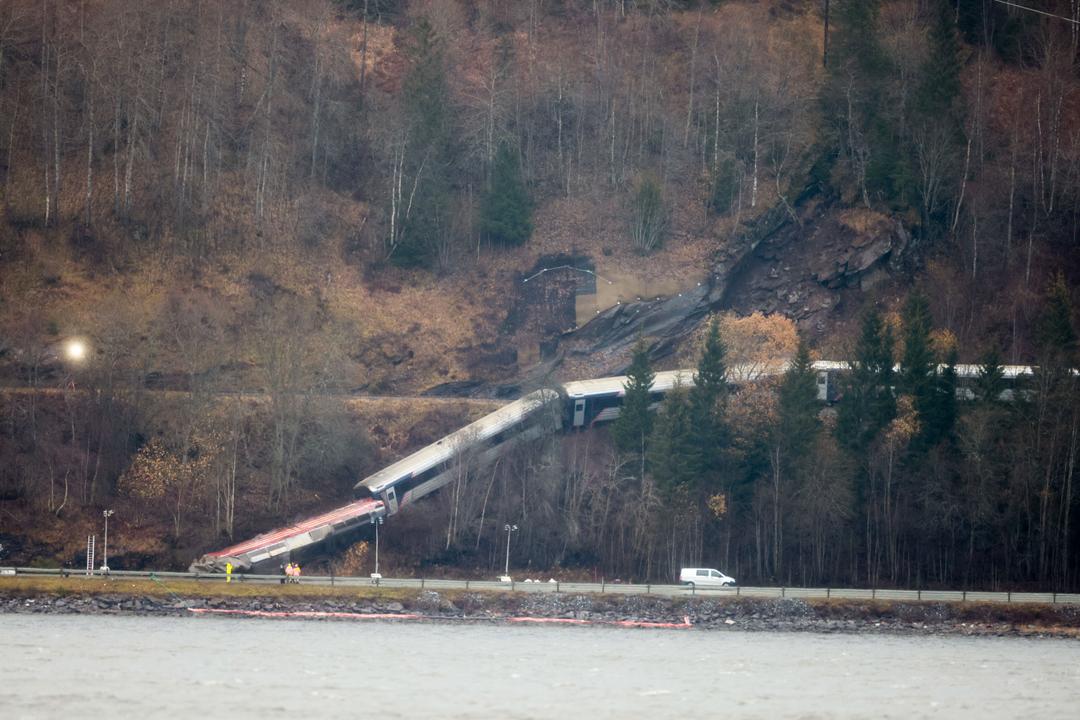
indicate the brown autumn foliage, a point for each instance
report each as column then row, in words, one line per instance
column 204, row 191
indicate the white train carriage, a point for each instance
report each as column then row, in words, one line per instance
column 477, row 444
column 595, row 401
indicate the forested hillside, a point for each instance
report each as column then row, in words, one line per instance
column 251, row 211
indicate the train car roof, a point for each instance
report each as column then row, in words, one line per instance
column 616, row 385
column 367, row 506
column 441, row 450
column 1009, row 372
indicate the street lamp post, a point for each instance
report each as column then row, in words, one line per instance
column 375, row 576
column 509, row 529
column 105, row 553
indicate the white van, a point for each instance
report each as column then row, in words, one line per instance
column 705, row 577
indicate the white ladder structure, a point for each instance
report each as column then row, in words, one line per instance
column 90, row 554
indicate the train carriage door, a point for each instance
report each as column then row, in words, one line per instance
column 390, row 498
column 579, row 412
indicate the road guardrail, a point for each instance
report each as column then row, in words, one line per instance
column 1053, row 598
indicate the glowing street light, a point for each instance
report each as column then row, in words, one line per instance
column 75, row 350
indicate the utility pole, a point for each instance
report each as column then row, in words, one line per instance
column 105, row 549
column 509, row 529
column 375, row 576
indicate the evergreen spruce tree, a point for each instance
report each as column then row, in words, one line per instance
column 868, row 403
column 710, row 381
column 798, row 422
column 939, row 85
column 854, row 40
column 725, row 187
column 917, row 363
column 425, row 99
column 990, row 382
column 854, row 99
column 506, row 210
column 1055, row 334
column 971, row 17
column 918, row 370
column 707, row 399
column 939, row 419
column 674, row 457
column 1056, row 339
column 632, row 428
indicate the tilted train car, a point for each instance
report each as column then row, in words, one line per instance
column 477, row 444
column 265, row 552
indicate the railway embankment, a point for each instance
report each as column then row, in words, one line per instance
column 186, row 599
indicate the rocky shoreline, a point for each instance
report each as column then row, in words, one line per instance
column 784, row 615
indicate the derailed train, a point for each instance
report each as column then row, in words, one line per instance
column 573, row 405
column 478, row 444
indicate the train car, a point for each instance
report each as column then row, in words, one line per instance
column 265, row 553
column 595, row 401
column 586, row 403
column 477, row 444
column 1014, row 377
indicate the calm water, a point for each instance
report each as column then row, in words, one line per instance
column 74, row 667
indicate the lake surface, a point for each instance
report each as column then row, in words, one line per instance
column 149, row 667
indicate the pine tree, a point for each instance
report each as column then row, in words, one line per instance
column 990, row 382
column 971, row 17
column 425, row 89
column 918, row 370
column 1055, row 334
column 868, row 404
column 1056, row 342
column 798, row 422
column 710, row 381
column 674, row 457
column 506, row 209
column 939, row 419
column 854, row 99
column 707, row 399
column 855, row 43
column 425, row 100
column 632, row 428
column 939, row 85
column 917, row 363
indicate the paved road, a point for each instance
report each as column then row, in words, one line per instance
column 611, row 588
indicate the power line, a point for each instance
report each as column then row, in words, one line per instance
column 566, row 267
column 1040, row 12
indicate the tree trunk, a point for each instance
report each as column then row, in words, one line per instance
column 693, row 68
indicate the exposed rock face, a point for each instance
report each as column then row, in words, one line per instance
column 808, row 271
column 846, row 261
column 802, row 269
column 608, row 339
